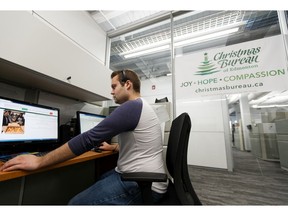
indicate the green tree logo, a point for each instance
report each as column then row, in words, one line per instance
column 207, row 67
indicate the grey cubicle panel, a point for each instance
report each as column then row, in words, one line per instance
column 283, row 150
column 268, row 141
column 238, row 137
column 282, row 140
column 255, row 141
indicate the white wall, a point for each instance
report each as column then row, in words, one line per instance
column 163, row 88
column 29, row 41
column 80, row 27
column 210, row 130
column 209, row 143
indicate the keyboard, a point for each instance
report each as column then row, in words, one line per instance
column 5, row 158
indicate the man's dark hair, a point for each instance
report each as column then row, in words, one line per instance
column 124, row 75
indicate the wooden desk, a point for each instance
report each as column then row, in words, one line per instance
column 84, row 157
column 57, row 184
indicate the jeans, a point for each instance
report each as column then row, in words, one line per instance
column 111, row 190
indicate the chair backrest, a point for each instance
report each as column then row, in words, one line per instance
column 176, row 160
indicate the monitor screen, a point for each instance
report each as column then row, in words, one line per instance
column 24, row 123
column 86, row 121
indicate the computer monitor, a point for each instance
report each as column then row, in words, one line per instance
column 27, row 126
column 111, row 109
column 85, row 121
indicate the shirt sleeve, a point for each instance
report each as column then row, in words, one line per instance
column 124, row 118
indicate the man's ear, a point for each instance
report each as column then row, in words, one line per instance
column 129, row 84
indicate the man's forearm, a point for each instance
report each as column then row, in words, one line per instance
column 58, row 155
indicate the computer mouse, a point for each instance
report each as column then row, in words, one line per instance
column 96, row 149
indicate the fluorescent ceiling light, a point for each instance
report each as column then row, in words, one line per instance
column 205, row 100
column 207, row 37
column 148, row 51
column 263, row 98
column 184, row 42
column 269, row 106
column 272, row 99
column 233, row 98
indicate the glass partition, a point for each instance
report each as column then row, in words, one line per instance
column 146, row 51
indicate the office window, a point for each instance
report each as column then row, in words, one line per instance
column 147, row 51
column 211, row 29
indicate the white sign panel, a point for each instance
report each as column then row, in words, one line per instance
column 255, row 66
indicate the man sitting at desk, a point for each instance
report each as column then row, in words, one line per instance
column 140, row 147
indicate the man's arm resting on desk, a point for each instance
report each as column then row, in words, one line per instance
column 109, row 147
column 32, row 162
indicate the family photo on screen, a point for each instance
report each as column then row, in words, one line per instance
column 13, row 122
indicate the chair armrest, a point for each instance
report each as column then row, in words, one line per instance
column 144, row 181
column 144, row 177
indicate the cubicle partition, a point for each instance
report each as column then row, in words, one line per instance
column 282, row 141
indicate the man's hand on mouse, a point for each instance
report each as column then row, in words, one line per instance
column 108, row 147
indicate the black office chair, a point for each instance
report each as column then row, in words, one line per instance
column 180, row 190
